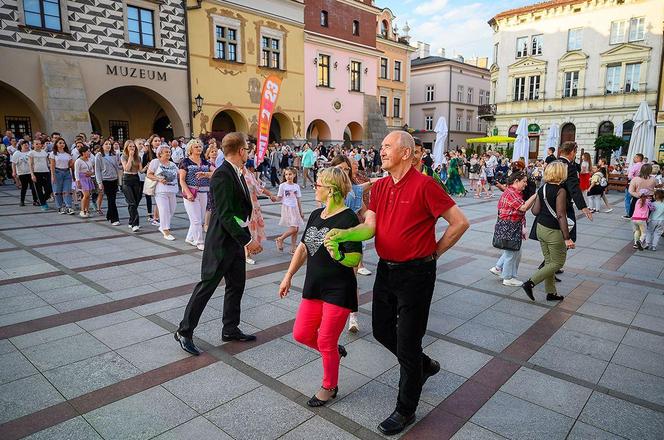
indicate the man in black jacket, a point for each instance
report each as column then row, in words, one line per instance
column 225, row 241
column 567, row 154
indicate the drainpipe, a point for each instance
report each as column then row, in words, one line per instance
column 189, row 91
column 449, row 110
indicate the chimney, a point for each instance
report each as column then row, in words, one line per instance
column 441, row 52
column 423, row 49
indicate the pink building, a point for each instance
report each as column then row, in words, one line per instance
column 340, row 73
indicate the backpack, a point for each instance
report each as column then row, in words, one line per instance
column 603, row 181
column 475, row 169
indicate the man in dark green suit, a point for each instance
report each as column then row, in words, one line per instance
column 226, row 238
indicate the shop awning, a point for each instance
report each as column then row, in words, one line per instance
column 491, row 140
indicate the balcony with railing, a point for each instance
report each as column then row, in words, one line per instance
column 487, row 112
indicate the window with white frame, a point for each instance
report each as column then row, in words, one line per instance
column 536, row 44
column 383, row 106
column 383, row 68
column 430, row 93
column 43, row 14
column 323, row 70
column 459, row 118
column 227, row 39
column 618, row 31
column 574, row 39
column 487, row 97
column 495, row 53
column 613, row 79
column 469, row 120
column 459, row 93
column 471, row 92
column 480, row 126
column 397, row 70
column 396, row 110
column 355, row 76
column 571, row 85
column 140, row 25
column 272, row 49
column 632, row 76
column 520, row 88
column 428, row 123
column 533, row 87
column 481, row 96
column 521, row 47
column 637, row 29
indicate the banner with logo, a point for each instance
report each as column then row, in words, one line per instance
column 271, row 88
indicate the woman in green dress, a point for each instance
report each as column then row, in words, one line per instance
column 454, row 184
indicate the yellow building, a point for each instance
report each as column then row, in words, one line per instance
column 233, row 47
column 393, row 72
column 659, row 130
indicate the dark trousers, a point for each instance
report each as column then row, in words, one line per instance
column 132, row 189
column 274, row 178
column 232, row 269
column 148, row 204
column 401, row 301
column 43, row 187
column 26, row 182
column 111, row 191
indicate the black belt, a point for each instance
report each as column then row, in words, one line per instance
column 409, row 263
column 62, row 169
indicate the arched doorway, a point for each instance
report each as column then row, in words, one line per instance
column 605, row 128
column 353, row 134
column 567, row 133
column 227, row 121
column 628, row 126
column 18, row 113
column 281, row 128
column 512, row 131
column 131, row 112
column 318, row 131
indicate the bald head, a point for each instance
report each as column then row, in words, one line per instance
column 397, row 151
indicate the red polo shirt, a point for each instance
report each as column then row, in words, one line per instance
column 406, row 215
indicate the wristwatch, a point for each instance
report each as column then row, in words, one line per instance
column 341, row 255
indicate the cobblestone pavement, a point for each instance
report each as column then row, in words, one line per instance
column 86, row 350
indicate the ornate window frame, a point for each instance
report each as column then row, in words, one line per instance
column 572, row 61
column 623, row 54
column 64, row 18
column 153, row 6
column 526, row 67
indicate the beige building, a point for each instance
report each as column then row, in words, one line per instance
column 583, row 65
column 659, row 131
column 393, row 71
column 118, row 68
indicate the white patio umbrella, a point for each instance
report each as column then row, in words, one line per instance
column 439, row 146
column 521, row 144
column 553, row 138
column 643, row 133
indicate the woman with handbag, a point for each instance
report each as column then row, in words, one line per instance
column 194, row 174
column 131, row 187
column 508, row 233
column 162, row 180
column 553, row 230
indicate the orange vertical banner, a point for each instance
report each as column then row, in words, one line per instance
column 271, row 88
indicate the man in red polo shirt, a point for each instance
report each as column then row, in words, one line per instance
column 402, row 215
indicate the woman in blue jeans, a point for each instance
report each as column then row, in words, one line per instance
column 62, row 164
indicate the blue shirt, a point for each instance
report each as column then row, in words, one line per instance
column 354, row 198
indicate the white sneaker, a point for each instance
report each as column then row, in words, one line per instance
column 169, row 237
column 513, row 282
column 191, row 242
column 115, row 224
column 250, row 261
column 82, row 214
column 494, row 270
column 200, row 246
column 608, row 210
column 353, row 325
column 364, row 271
column 135, row 228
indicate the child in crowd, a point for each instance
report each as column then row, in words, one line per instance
column 481, row 186
column 596, row 190
column 656, row 221
column 640, row 217
column 292, row 216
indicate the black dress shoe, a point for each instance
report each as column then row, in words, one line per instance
column 315, row 402
column 560, row 272
column 431, row 370
column 554, row 297
column 187, row 344
column 239, row 336
column 342, row 351
column 395, row 423
column 528, row 288
column 558, row 280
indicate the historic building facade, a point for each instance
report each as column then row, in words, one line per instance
column 234, row 46
column 659, row 116
column 118, row 67
column 585, row 66
column 393, row 71
column 340, row 72
column 449, row 88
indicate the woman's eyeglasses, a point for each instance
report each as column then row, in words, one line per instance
column 318, row 185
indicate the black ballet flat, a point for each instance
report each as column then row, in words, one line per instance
column 554, row 297
column 342, row 351
column 315, row 402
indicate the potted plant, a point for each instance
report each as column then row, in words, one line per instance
column 606, row 144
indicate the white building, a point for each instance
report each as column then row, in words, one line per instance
column 446, row 87
column 585, row 65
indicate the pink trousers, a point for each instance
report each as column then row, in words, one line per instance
column 318, row 325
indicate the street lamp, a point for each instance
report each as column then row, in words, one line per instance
column 199, row 104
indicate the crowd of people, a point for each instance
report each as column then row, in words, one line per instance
column 393, row 195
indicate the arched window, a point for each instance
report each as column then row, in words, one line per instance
column 323, row 18
column 384, row 28
column 568, row 133
column 628, row 126
column 356, row 27
column 512, row 131
column 605, row 127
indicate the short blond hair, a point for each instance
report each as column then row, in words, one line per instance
column 555, row 172
column 191, row 144
column 337, row 179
